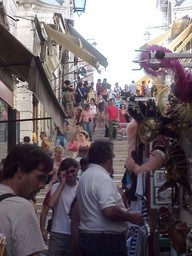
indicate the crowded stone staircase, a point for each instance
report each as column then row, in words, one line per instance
column 120, row 151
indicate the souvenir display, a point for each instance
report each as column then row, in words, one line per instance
column 159, row 137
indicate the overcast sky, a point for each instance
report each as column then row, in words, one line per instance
column 118, row 27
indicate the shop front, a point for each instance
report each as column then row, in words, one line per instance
column 17, row 63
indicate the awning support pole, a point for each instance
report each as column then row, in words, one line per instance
column 24, row 120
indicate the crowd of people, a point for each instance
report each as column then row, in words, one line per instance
column 104, row 106
column 90, row 215
column 95, row 106
column 84, row 92
column 87, row 105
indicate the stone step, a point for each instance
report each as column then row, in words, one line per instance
column 119, row 169
column 119, row 156
column 117, row 165
column 119, row 161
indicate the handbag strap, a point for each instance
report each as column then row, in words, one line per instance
column 4, row 196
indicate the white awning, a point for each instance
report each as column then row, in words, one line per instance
column 69, row 42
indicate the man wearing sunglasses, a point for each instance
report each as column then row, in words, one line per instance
column 62, row 196
column 25, row 171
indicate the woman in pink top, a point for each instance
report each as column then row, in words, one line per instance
column 87, row 120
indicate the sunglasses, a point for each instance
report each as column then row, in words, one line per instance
column 71, row 171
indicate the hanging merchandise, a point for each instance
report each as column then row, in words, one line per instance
column 159, row 65
column 176, row 229
column 164, row 125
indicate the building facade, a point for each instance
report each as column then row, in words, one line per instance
column 29, row 99
column 39, row 50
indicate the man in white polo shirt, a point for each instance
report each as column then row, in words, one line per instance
column 103, row 216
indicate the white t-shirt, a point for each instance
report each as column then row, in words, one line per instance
column 97, row 191
column 61, row 219
column 117, row 89
column 94, row 109
column 111, row 94
column 133, row 88
column 20, row 224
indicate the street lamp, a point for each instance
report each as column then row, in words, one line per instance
column 147, row 36
column 94, row 44
column 79, row 6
